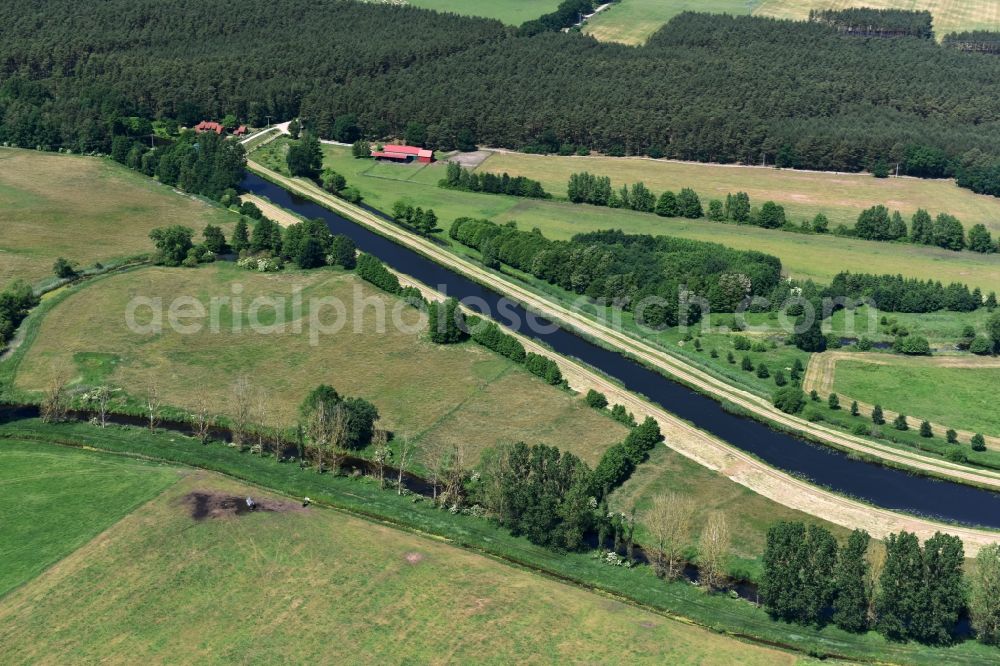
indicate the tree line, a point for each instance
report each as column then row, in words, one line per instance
column 900, row 589
column 459, row 178
column 875, row 223
column 944, row 231
column 894, row 293
column 75, row 78
column 866, row 21
column 624, row 269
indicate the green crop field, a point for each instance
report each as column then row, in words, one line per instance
column 512, row 12
column 314, row 586
column 54, row 500
column 84, row 209
column 817, row 257
column 959, row 397
column 949, row 15
column 456, row 395
column 633, row 21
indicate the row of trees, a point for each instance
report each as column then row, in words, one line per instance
column 424, row 222
column 894, row 293
column 624, row 269
column 866, row 21
column 458, row 178
column 900, row 589
column 944, row 231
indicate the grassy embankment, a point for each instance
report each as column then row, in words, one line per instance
column 633, row 21
column 428, row 393
column 279, row 586
column 85, row 209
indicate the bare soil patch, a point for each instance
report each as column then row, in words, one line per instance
column 472, row 159
column 210, row 504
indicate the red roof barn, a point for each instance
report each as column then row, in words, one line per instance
column 209, row 126
column 404, row 154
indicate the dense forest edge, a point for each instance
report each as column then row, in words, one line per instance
column 73, row 79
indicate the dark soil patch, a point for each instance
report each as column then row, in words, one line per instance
column 208, row 504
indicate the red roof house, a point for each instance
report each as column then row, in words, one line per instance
column 404, row 154
column 240, row 131
column 209, row 126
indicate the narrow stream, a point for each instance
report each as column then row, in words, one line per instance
column 879, row 485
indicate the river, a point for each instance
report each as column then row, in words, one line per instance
column 879, row 485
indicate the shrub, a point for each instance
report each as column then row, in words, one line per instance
column 620, row 414
column 926, row 430
column 596, row 399
column 789, row 399
column 980, row 345
column 900, row 423
column 833, row 401
column 951, row 436
column 978, row 442
column 63, row 269
column 912, row 345
column 957, row 455
column 763, row 372
column 861, row 430
column 543, row 367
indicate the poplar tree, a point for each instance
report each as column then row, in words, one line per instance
column 850, row 602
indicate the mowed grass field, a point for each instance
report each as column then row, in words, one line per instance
column 54, row 500
column 443, row 394
column 959, row 397
column 316, row 586
column 633, row 21
column 511, row 12
column 85, row 209
column 817, row 257
column 949, row 15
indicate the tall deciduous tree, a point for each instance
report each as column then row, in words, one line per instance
column 713, row 550
column 984, row 600
column 668, row 521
